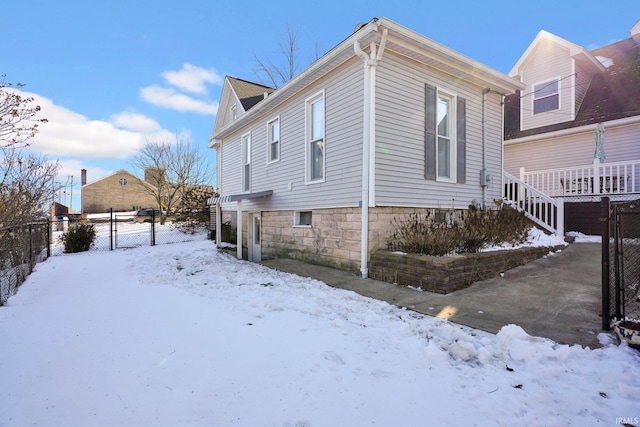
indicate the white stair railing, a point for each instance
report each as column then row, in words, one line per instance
column 546, row 211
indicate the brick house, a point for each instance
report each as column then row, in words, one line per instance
column 120, row 191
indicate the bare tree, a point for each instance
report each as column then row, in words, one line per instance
column 25, row 186
column 170, row 170
column 276, row 74
column 25, row 180
column 17, row 116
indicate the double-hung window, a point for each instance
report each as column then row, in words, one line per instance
column 546, row 96
column 273, row 136
column 246, row 162
column 315, row 141
column 445, row 136
column 446, row 156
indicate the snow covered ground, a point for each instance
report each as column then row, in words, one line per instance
column 181, row 335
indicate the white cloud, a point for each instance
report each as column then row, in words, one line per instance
column 73, row 168
column 69, row 134
column 135, row 121
column 192, row 78
column 169, row 98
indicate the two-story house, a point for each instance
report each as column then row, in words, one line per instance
column 387, row 123
column 574, row 131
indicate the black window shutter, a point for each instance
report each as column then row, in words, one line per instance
column 461, row 143
column 430, row 132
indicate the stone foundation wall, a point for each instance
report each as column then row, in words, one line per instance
column 449, row 273
column 333, row 239
column 381, row 222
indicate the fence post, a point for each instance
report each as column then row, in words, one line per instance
column 153, row 227
column 606, row 292
column 110, row 229
column 30, row 248
column 49, row 237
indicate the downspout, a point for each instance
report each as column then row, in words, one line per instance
column 218, row 205
column 483, row 173
column 368, row 139
column 239, row 229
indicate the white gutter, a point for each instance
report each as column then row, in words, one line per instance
column 368, row 142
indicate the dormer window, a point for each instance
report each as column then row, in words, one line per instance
column 234, row 113
column 546, row 96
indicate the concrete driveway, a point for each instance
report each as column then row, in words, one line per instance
column 556, row 297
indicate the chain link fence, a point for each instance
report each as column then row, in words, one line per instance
column 122, row 230
column 21, row 248
column 621, row 261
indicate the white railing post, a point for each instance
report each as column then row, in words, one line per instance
column 560, row 217
column 596, row 176
column 521, row 190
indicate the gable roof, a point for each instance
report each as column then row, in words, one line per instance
column 121, row 171
column 614, row 92
column 247, row 92
column 575, row 51
column 396, row 38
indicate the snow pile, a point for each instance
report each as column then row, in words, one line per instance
column 183, row 335
column 583, row 238
column 535, row 238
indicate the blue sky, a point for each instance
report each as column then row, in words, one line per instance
column 111, row 75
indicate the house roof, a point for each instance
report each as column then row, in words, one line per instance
column 614, row 92
column 399, row 39
column 247, row 92
column 120, row 172
column 576, row 51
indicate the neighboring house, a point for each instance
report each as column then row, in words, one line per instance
column 551, row 125
column 385, row 124
column 120, row 191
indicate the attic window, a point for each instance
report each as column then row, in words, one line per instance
column 234, row 113
column 546, row 96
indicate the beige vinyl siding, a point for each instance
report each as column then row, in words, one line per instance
column 494, row 150
column 400, row 133
column 227, row 101
column 231, row 176
column 549, row 61
column 621, row 144
column 343, row 145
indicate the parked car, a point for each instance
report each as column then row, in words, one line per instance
column 146, row 215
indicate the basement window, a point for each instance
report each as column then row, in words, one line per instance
column 302, row 219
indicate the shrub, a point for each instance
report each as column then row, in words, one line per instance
column 79, row 238
column 467, row 233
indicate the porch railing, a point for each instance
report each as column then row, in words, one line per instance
column 546, row 211
column 590, row 180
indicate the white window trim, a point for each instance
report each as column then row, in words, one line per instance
column 234, row 112
column 296, row 219
column 557, row 79
column 243, row 154
column 269, row 159
column 307, row 153
column 453, row 138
